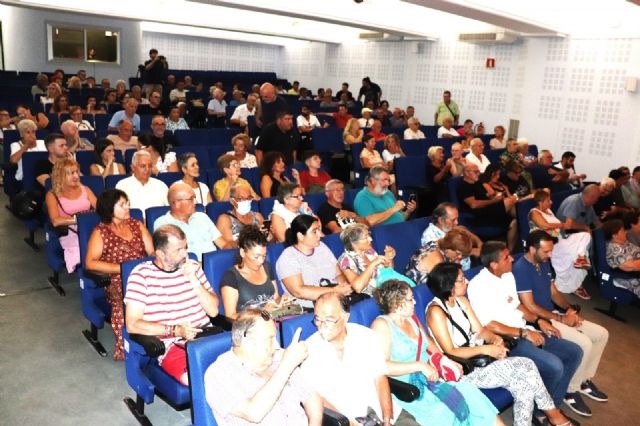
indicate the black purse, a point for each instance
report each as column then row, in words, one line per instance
column 351, row 299
column 468, row 364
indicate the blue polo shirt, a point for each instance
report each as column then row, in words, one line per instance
column 530, row 280
column 201, row 232
column 118, row 116
column 573, row 206
column 367, row 203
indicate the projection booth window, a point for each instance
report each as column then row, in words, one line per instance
column 83, row 44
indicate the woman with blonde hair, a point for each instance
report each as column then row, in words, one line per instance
column 67, row 198
column 241, row 144
column 353, row 133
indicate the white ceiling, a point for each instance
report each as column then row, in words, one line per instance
column 341, row 21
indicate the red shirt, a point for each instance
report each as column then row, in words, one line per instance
column 377, row 137
column 306, row 180
column 341, row 121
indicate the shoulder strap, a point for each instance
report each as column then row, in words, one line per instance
column 452, row 114
column 455, row 324
column 419, row 352
column 60, row 204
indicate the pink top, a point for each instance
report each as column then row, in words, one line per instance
column 73, row 206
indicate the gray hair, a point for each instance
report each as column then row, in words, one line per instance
column 413, row 120
column 328, row 185
column 285, row 190
column 476, row 141
column 184, row 159
column 234, row 188
column 67, row 123
column 242, row 325
column 139, row 153
column 125, row 120
column 25, row 125
column 376, row 171
column 352, row 234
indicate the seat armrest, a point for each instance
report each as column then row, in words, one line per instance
column 333, row 418
column 152, row 346
column 619, row 273
column 100, row 280
column 403, row 391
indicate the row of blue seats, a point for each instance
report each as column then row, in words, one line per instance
column 202, row 352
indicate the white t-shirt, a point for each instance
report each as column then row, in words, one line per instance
column 387, row 156
column 15, row 147
column 410, row 134
column 495, row 299
column 481, row 162
column 348, row 383
column 312, row 121
column 442, row 131
column 153, row 193
column 242, row 112
column 364, row 123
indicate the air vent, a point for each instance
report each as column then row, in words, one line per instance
column 488, row 38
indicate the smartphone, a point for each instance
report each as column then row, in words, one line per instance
column 413, row 198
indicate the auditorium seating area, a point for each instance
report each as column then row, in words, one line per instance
column 145, row 378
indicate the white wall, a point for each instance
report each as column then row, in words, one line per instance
column 567, row 94
column 198, row 53
column 24, row 35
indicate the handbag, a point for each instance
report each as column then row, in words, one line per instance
column 468, row 364
column 351, row 299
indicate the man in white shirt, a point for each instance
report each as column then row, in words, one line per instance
column 346, row 366
column 179, row 94
column 366, row 121
column 476, row 156
column 495, row 301
column 143, row 190
column 27, row 143
column 240, row 114
column 447, row 130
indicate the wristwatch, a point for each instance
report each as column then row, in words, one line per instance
column 387, row 422
column 523, row 333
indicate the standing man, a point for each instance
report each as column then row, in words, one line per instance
column 256, row 382
column 446, row 108
column 269, row 106
column 171, row 298
column 279, row 136
column 154, row 70
column 371, row 92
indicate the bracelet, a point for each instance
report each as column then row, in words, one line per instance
column 167, row 330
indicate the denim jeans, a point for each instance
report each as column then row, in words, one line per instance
column 557, row 361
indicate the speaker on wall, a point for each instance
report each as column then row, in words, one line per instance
column 631, row 84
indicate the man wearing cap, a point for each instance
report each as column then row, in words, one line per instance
column 366, row 120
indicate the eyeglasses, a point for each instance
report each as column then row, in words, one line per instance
column 299, row 197
column 265, row 315
column 329, row 322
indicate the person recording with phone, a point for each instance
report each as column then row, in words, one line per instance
column 153, row 72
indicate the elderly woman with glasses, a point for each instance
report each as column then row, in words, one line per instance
column 413, row 357
column 116, row 239
column 453, row 247
column 289, row 204
column 232, row 222
column 360, row 263
column 250, row 283
column 458, row 332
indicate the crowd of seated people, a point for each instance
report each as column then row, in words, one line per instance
column 521, row 305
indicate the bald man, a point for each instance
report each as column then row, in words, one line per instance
column 577, row 209
column 202, row 234
column 269, row 105
column 346, row 364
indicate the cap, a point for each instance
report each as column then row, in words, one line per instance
column 366, row 110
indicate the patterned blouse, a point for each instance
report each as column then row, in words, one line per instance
column 353, row 261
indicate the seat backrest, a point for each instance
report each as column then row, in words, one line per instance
column 364, row 312
column 201, row 153
column 401, row 237
column 127, row 267
column 95, row 183
column 350, row 195
column 201, row 353
column 112, row 180
column 557, row 197
column 522, row 215
column 29, row 161
column 265, row 205
column 420, row 224
column 289, row 326
column 328, row 139
column 152, row 214
column 454, row 184
column 411, row 172
column 315, row 200
column 273, row 253
column 334, row 243
column 414, row 147
column 600, row 252
column 169, row 177
column 215, row 264
column 215, row 209
column 469, row 274
column 423, row 297
column 86, row 223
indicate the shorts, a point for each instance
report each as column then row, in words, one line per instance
column 175, row 361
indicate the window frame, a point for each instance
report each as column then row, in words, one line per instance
column 50, row 26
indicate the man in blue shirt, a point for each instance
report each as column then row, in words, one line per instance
column 377, row 204
column 577, row 209
column 538, row 293
column 129, row 113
